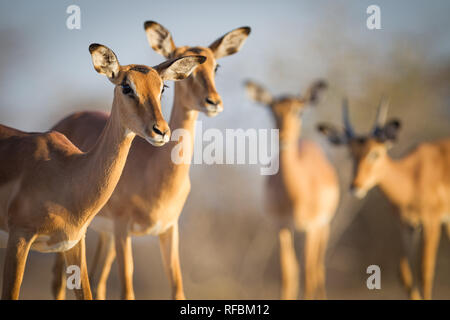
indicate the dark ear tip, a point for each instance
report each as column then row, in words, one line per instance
column 200, row 59
column 322, row 83
column 246, row 30
column 397, row 123
column 93, row 47
column 148, row 24
column 321, row 127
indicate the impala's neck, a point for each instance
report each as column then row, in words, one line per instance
column 289, row 134
column 397, row 180
column 290, row 129
column 181, row 117
column 288, row 157
column 97, row 172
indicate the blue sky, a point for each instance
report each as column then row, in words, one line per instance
column 47, row 61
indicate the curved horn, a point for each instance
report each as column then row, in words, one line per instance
column 381, row 114
column 346, row 119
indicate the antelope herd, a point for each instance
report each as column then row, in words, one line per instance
column 91, row 171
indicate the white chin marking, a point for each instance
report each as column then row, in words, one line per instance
column 156, row 143
column 212, row 114
column 166, row 138
column 213, row 111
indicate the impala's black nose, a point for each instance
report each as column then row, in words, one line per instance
column 158, row 130
column 212, row 102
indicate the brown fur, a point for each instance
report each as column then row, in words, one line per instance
column 418, row 185
column 152, row 191
column 50, row 190
column 304, row 192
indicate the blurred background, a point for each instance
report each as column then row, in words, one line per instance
column 228, row 242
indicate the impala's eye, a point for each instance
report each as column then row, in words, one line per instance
column 126, row 89
column 217, row 68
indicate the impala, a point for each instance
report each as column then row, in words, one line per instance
column 418, row 185
column 153, row 189
column 304, row 192
column 50, row 190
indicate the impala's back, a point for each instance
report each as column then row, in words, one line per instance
column 77, row 125
column 16, row 169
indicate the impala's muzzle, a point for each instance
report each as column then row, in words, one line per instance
column 158, row 134
column 213, row 106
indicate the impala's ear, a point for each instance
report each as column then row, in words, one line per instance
column 179, row 68
column 392, row 128
column 105, row 61
column 389, row 132
column 312, row 95
column 334, row 135
column 230, row 43
column 159, row 38
column 258, row 93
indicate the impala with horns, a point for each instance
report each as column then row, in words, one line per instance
column 304, row 193
column 50, row 190
column 418, row 185
column 152, row 191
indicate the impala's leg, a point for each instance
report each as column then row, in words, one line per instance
column 447, row 228
column 99, row 251
column 59, row 277
column 289, row 265
column 323, row 241
column 17, row 249
column 124, row 259
column 431, row 237
column 311, row 258
column 108, row 256
column 169, row 249
column 409, row 263
column 77, row 256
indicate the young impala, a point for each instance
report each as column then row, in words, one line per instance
column 50, row 190
column 305, row 191
column 152, row 191
column 418, row 185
